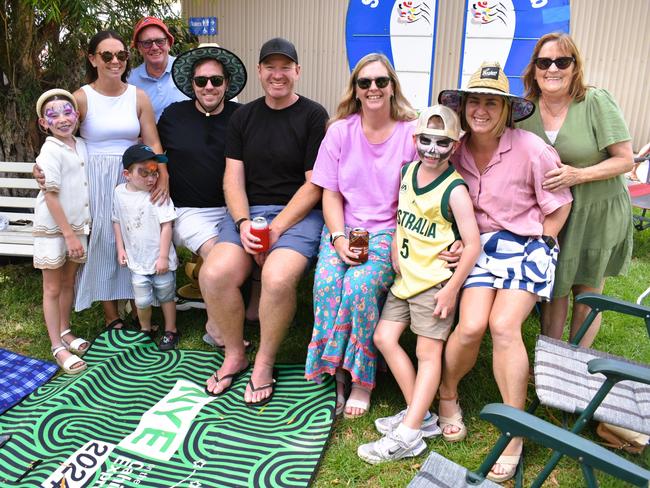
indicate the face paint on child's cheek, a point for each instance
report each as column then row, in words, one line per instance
column 434, row 147
column 60, row 109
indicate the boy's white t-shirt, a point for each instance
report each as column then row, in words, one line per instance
column 140, row 222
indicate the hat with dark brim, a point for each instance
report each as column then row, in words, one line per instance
column 489, row 79
column 183, row 69
column 139, row 153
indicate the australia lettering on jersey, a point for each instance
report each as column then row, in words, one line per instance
column 419, row 225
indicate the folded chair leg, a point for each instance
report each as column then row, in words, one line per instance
column 586, row 415
column 590, row 477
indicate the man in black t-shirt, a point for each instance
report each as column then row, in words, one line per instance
column 271, row 147
column 193, row 134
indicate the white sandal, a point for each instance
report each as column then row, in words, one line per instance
column 354, row 403
column 76, row 345
column 512, row 462
column 67, row 365
column 456, row 420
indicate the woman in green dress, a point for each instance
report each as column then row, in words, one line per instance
column 586, row 127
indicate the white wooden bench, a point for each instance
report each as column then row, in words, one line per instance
column 16, row 239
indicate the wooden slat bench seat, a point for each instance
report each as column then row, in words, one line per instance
column 16, row 239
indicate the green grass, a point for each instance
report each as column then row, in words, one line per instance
column 22, row 330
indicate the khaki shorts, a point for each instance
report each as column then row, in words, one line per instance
column 193, row 227
column 417, row 311
column 52, row 253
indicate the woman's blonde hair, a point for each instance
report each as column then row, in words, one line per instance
column 505, row 118
column 577, row 88
column 400, row 108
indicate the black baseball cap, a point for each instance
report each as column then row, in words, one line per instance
column 140, row 152
column 277, row 45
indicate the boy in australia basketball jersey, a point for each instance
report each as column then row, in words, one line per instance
column 434, row 205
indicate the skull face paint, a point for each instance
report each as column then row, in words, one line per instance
column 434, row 149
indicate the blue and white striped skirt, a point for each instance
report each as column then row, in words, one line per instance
column 513, row 262
column 102, row 278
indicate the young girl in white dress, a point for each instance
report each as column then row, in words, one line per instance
column 61, row 222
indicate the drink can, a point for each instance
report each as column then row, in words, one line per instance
column 358, row 242
column 260, row 229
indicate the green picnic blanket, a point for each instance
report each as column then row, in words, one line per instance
column 139, row 417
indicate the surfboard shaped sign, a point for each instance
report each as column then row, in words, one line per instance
column 405, row 31
column 506, row 31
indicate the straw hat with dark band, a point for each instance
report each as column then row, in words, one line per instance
column 183, row 69
column 489, row 79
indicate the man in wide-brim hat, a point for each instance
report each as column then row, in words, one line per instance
column 193, row 134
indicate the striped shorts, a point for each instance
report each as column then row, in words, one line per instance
column 513, row 262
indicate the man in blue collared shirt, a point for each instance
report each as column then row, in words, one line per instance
column 153, row 40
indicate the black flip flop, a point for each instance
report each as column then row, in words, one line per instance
column 115, row 322
column 233, row 377
column 271, row 385
column 210, row 341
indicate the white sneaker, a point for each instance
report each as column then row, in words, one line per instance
column 391, row 447
column 429, row 427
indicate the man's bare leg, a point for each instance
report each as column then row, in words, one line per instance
column 223, row 272
column 280, row 276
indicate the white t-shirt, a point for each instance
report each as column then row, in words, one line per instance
column 140, row 221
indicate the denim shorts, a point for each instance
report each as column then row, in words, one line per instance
column 146, row 286
column 303, row 237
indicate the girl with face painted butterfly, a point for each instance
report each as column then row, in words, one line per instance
column 61, row 222
column 113, row 115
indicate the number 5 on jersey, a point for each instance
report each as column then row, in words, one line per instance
column 404, row 251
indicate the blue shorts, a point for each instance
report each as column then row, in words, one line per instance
column 303, row 237
column 146, row 286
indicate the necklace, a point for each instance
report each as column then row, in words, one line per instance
column 560, row 112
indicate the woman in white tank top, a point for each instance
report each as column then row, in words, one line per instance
column 114, row 115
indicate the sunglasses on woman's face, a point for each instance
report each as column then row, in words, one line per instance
column 381, row 82
column 108, row 56
column 201, row 81
column 562, row 63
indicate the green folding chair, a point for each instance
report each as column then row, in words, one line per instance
column 438, row 471
column 591, row 383
column 576, row 380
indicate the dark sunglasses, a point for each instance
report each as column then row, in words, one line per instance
column 108, row 56
column 381, row 82
column 426, row 141
column 201, row 81
column 562, row 63
column 148, row 44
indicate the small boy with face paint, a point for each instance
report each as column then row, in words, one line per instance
column 433, row 205
column 143, row 236
column 61, row 222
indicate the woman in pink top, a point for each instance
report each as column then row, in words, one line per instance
column 519, row 221
column 358, row 166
